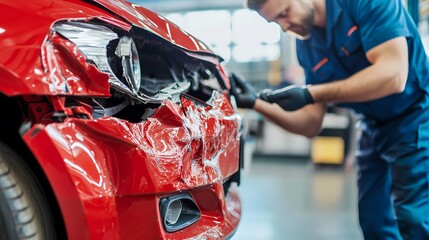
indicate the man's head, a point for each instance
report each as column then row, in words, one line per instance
column 293, row 16
column 254, row 4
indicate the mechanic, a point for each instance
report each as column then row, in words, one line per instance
column 365, row 55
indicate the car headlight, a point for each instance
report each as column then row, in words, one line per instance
column 92, row 40
column 127, row 51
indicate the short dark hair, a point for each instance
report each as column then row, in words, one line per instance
column 254, row 4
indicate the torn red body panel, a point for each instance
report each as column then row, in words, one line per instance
column 109, row 161
column 67, row 72
column 170, row 151
column 125, row 114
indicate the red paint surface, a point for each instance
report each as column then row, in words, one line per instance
column 109, row 174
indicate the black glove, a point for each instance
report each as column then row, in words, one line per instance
column 244, row 94
column 290, row 98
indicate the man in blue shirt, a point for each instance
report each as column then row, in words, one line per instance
column 365, row 55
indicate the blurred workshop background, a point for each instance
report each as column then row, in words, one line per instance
column 292, row 187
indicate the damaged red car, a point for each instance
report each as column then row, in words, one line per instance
column 116, row 124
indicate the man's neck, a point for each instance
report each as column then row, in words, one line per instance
column 320, row 13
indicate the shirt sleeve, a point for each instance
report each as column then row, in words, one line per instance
column 379, row 20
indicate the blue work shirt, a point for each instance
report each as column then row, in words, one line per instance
column 336, row 52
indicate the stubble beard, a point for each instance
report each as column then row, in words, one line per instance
column 307, row 23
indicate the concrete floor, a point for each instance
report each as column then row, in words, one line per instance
column 293, row 199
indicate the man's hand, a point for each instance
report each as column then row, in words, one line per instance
column 244, row 94
column 290, row 98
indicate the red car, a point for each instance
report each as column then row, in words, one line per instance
column 116, row 124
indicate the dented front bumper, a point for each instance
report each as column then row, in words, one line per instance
column 120, row 170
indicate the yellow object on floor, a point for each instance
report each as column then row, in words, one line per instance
column 329, row 150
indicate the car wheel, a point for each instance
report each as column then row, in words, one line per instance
column 24, row 211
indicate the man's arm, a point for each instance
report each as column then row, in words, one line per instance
column 387, row 75
column 306, row 121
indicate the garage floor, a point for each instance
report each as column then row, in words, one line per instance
column 293, row 199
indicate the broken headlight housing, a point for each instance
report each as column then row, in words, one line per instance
column 115, row 54
column 143, row 68
column 127, row 51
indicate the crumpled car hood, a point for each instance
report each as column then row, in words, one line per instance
column 151, row 21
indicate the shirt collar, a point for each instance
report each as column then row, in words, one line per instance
column 324, row 41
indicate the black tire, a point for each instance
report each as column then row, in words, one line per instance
column 24, row 210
